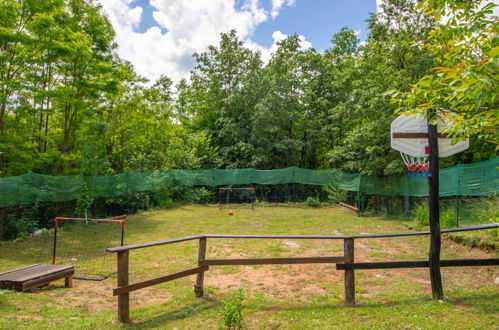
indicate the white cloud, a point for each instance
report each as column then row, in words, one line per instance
column 191, row 26
column 277, row 36
column 277, row 5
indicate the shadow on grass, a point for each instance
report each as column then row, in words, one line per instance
column 482, row 301
column 161, row 320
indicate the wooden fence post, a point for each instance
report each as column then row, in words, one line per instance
column 198, row 287
column 123, row 299
column 348, row 247
column 434, row 210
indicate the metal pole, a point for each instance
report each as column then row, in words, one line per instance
column 433, row 202
column 56, row 224
column 122, row 232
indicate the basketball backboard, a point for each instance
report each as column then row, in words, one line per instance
column 409, row 135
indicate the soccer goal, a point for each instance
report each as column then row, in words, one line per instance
column 82, row 243
column 236, row 197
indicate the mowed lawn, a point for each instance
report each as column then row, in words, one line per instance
column 276, row 296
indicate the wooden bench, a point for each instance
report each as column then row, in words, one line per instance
column 36, row 275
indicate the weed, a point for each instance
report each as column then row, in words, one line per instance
column 422, row 214
column 232, row 312
column 448, row 218
column 313, row 202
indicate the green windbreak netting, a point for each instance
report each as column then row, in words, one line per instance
column 477, row 179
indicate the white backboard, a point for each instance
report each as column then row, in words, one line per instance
column 418, row 147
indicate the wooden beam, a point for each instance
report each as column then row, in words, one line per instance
column 348, row 248
column 187, row 238
column 144, row 245
column 124, row 289
column 383, row 265
column 434, row 214
column 271, row 261
column 68, row 282
column 349, row 206
column 198, row 287
column 418, row 136
column 418, row 264
column 31, row 283
column 123, row 298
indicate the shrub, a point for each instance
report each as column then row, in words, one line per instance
column 422, row 214
column 313, row 202
column 232, row 309
column 84, row 203
column 335, row 195
column 448, row 218
column 20, row 227
column 261, row 203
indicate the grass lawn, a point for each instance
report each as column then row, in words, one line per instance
column 276, row 296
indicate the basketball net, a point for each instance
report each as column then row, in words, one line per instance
column 417, row 166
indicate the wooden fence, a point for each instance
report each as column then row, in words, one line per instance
column 345, row 262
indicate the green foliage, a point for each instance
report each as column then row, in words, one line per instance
column 131, row 202
column 335, row 195
column 313, row 202
column 20, row 227
column 448, row 218
column 83, row 203
column 422, row 214
column 484, row 210
column 232, row 312
column 70, row 105
column 465, row 74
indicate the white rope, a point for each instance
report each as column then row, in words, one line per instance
column 414, row 160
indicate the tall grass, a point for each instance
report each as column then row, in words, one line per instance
column 422, row 214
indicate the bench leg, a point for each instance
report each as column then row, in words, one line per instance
column 68, row 281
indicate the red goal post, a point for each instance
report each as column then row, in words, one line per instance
column 227, row 191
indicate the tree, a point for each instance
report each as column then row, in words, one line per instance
column 225, row 88
column 278, row 116
column 464, row 79
column 362, row 113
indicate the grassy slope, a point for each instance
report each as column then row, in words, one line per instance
column 281, row 296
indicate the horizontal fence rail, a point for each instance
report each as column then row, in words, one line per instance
column 346, row 262
column 418, row 264
column 272, row 261
column 193, row 237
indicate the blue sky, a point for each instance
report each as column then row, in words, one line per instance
column 160, row 36
column 318, row 20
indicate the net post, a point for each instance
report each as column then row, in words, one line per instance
column 348, row 250
column 123, row 299
column 2, row 221
column 122, row 232
column 56, row 225
column 198, row 287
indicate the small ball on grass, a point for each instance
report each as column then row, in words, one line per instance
column 230, row 213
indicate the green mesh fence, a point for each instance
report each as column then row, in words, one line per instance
column 477, row 179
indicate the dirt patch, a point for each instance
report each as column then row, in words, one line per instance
column 281, row 281
column 93, row 297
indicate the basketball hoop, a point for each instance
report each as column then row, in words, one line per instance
column 417, row 166
column 409, row 136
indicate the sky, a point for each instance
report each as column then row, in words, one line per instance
column 160, row 36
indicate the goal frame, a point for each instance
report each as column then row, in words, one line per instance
column 228, row 189
column 57, row 220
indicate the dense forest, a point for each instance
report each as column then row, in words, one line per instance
column 70, row 105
